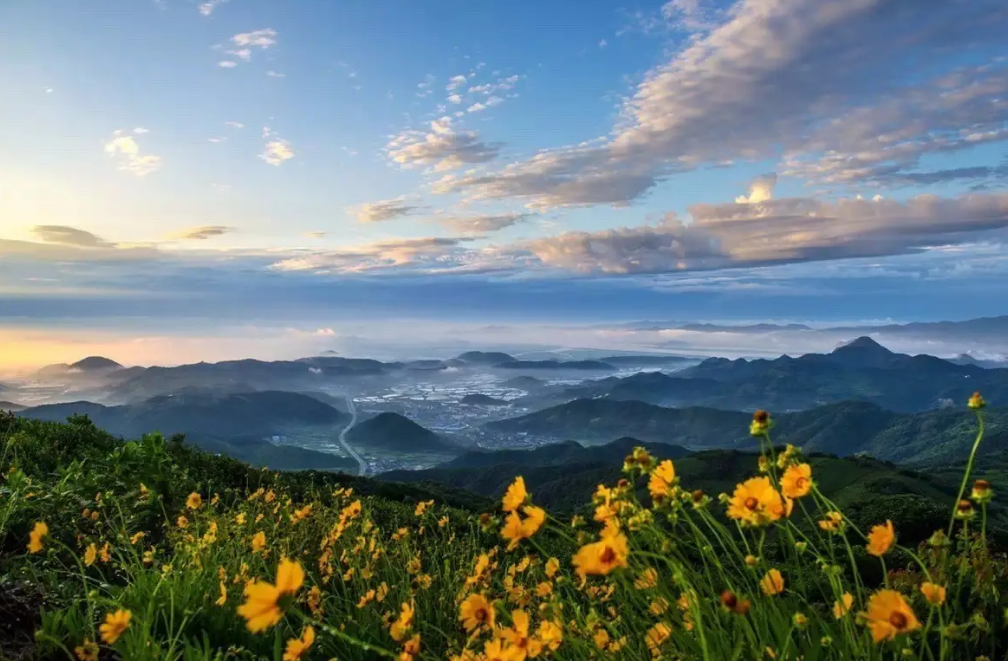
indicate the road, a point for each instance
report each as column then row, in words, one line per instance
column 362, row 470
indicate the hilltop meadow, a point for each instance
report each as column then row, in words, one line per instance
column 152, row 549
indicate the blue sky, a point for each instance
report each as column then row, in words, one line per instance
column 245, row 161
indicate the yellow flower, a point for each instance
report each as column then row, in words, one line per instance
column 114, row 626
column 521, row 643
column 262, row 608
column 258, row 541
column 603, row 556
column 87, row 651
column 515, row 496
column 881, row 539
column 601, row 638
column 90, row 555
column 552, row 566
column 550, row 634
column 223, row 595
column 976, row 402
column 182, row 522
column 760, row 423
column 544, row 589
column 401, row 627
column 315, row 600
column 194, row 501
column 751, row 561
column 35, row 537
column 476, row 612
column 137, row 537
column 104, row 553
column 833, row 522
column 661, row 481
column 647, row 579
column 411, row 648
column 755, row 502
column 240, row 518
column 889, row 615
column 297, row 647
column 840, row 608
column 658, row 606
column 657, row 635
column 935, row 594
column 797, row 480
column 516, row 528
column 301, row 514
column 772, row 583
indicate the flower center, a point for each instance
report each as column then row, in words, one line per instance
column 751, row 503
column 898, row 620
column 801, row 483
column 481, row 614
column 608, row 555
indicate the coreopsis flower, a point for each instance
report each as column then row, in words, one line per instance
column 833, row 522
column 240, row 518
column 657, row 635
column 90, row 555
column 136, row 537
column 889, row 615
column 772, row 583
column 934, row 593
column 881, row 539
column 87, row 651
column 258, row 541
column 422, row 507
column 646, row 579
column 516, row 528
column 298, row 647
column 552, row 566
column 550, row 634
column 733, row 603
column 755, row 502
column 800, row 620
column 315, row 600
column 522, row 643
column 515, row 496
column 982, row 492
column 104, row 554
column 182, row 522
column 35, row 537
column 964, row 510
column 640, row 459
column 410, row 649
column 476, row 612
column 661, row 482
column 658, row 606
column 760, row 423
column 301, row 514
column 605, row 555
column 797, row 480
column 223, row 599
column 263, row 608
column 114, row 625
column 401, row 627
column 751, row 561
column 976, row 402
column 194, row 501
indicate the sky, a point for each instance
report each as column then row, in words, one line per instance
column 200, row 178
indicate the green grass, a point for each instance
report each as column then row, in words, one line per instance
column 366, row 548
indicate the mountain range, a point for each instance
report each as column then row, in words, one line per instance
column 391, row 432
column 844, row 428
column 861, row 370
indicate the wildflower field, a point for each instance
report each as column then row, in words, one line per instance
column 149, row 549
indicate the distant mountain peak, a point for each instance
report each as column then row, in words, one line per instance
column 95, row 363
column 863, row 343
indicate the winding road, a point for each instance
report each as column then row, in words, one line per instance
column 362, row 470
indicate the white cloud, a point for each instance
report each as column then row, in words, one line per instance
column 207, row 8
column 315, row 235
column 820, row 82
column 235, row 125
column 258, row 38
column 494, row 101
column 125, row 150
column 375, row 212
column 477, row 107
column 216, row 140
column 227, row 64
column 603, row 43
column 442, row 148
column 429, row 253
column 475, row 225
column 200, row 233
column 760, row 190
column 141, row 130
column 242, row 54
column 456, row 82
column 776, row 232
column 276, row 152
column 274, row 74
column 454, row 98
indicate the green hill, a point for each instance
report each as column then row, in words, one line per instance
column 485, row 357
column 391, row 432
column 10, row 406
column 844, row 428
